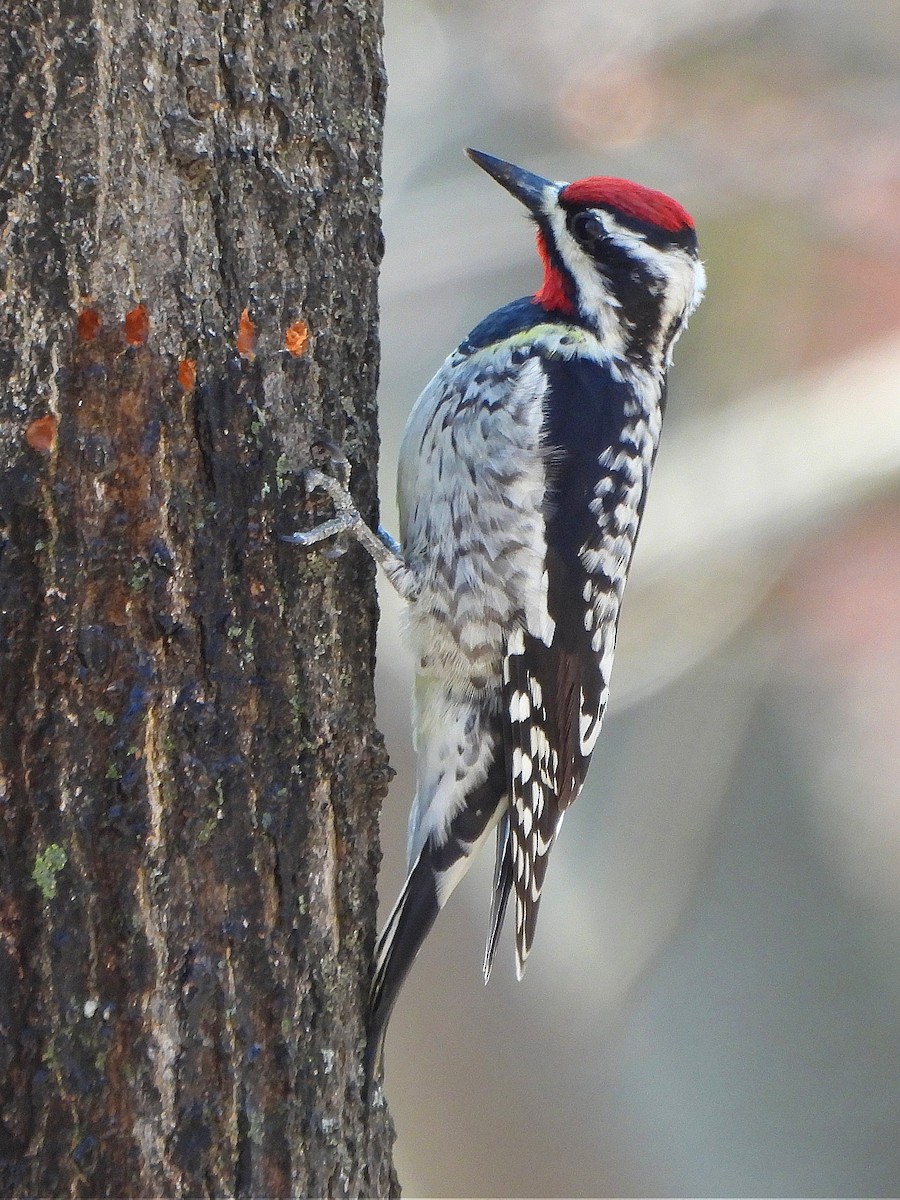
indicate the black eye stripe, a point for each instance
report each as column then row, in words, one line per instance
column 587, row 229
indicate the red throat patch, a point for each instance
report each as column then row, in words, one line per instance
column 632, row 199
column 555, row 292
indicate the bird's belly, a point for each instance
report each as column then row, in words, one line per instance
column 470, row 602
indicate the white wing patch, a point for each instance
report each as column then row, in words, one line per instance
column 534, row 789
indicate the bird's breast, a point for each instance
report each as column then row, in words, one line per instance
column 472, row 489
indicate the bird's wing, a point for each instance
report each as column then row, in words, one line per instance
column 557, row 665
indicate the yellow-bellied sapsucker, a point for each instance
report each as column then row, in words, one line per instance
column 523, row 474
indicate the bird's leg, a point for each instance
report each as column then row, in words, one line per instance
column 381, row 546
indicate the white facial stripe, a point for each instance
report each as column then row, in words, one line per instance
column 551, row 197
column 596, row 298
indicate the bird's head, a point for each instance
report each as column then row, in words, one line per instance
column 621, row 256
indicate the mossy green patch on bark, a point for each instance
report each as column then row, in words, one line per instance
column 47, row 866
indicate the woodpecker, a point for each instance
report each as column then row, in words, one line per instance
column 523, row 474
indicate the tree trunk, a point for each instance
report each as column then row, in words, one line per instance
column 189, row 772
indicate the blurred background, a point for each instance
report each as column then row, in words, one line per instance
column 712, row 1006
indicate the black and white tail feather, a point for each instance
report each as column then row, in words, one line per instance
column 523, row 475
column 437, row 867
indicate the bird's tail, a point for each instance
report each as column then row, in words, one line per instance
column 445, row 856
column 428, row 887
column 503, row 877
column 401, row 939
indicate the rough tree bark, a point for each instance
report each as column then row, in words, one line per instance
column 189, row 771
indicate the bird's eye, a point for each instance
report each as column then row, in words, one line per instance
column 588, row 231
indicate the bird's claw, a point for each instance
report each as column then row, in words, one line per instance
column 315, row 480
column 346, row 516
column 331, row 461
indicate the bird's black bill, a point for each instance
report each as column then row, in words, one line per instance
column 522, row 184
